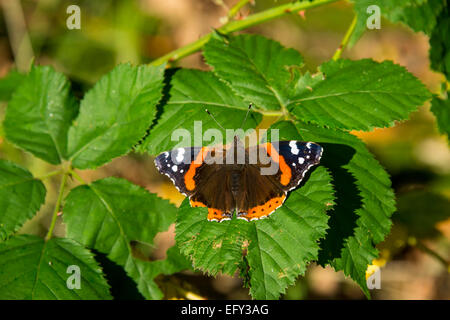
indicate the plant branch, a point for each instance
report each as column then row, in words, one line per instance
column 57, row 206
column 233, row 26
column 346, row 38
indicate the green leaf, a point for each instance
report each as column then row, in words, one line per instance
column 276, row 250
column 38, row 270
column 419, row 15
column 357, row 95
column 440, row 43
column 9, row 84
column 109, row 214
column 259, row 70
column 21, row 196
column 115, row 115
column 191, row 92
column 364, row 198
column 39, row 114
column 441, row 109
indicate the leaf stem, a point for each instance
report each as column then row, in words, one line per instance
column 237, row 25
column 57, row 206
column 346, row 38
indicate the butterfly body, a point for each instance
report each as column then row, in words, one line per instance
column 251, row 182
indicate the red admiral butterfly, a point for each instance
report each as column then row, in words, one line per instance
column 239, row 186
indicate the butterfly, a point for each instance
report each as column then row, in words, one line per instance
column 246, row 185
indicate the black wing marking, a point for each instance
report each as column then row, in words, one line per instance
column 175, row 164
column 300, row 157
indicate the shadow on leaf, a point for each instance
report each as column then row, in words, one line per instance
column 342, row 217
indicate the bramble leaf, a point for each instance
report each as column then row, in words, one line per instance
column 419, row 15
column 9, row 83
column 364, row 199
column 115, row 115
column 258, row 69
column 109, row 214
column 36, row 269
column 21, row 196
column 359, row 95
column 39, row 114
column 441, row 109
column 276, row 250
column 440, row 43
column 345, row 94
column 193, row 91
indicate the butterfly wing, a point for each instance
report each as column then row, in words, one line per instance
column 263, row 190
column 299, row 156
column 260, row 195
column 176, row 164
column 206, row 185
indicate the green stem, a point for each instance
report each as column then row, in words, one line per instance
column 57, row 206
column 346, row 38
column 49, row 175
column 77, row 177
column 234, row 10
column 238, row 25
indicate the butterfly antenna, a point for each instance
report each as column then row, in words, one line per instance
column 246, row 115
column 210, row 114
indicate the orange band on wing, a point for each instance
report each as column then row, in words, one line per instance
column 213, row 214
column 286, row 172
column 189, row 176
column 195, row 204
column 265, row 209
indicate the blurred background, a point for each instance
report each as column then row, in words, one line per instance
column 414, row 259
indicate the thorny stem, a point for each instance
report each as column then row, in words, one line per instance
column 346, row 38
column 237, row 25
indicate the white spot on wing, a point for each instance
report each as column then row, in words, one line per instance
column 301, row 160
column 180, row 155
column 175, row 168
column 294, row 149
